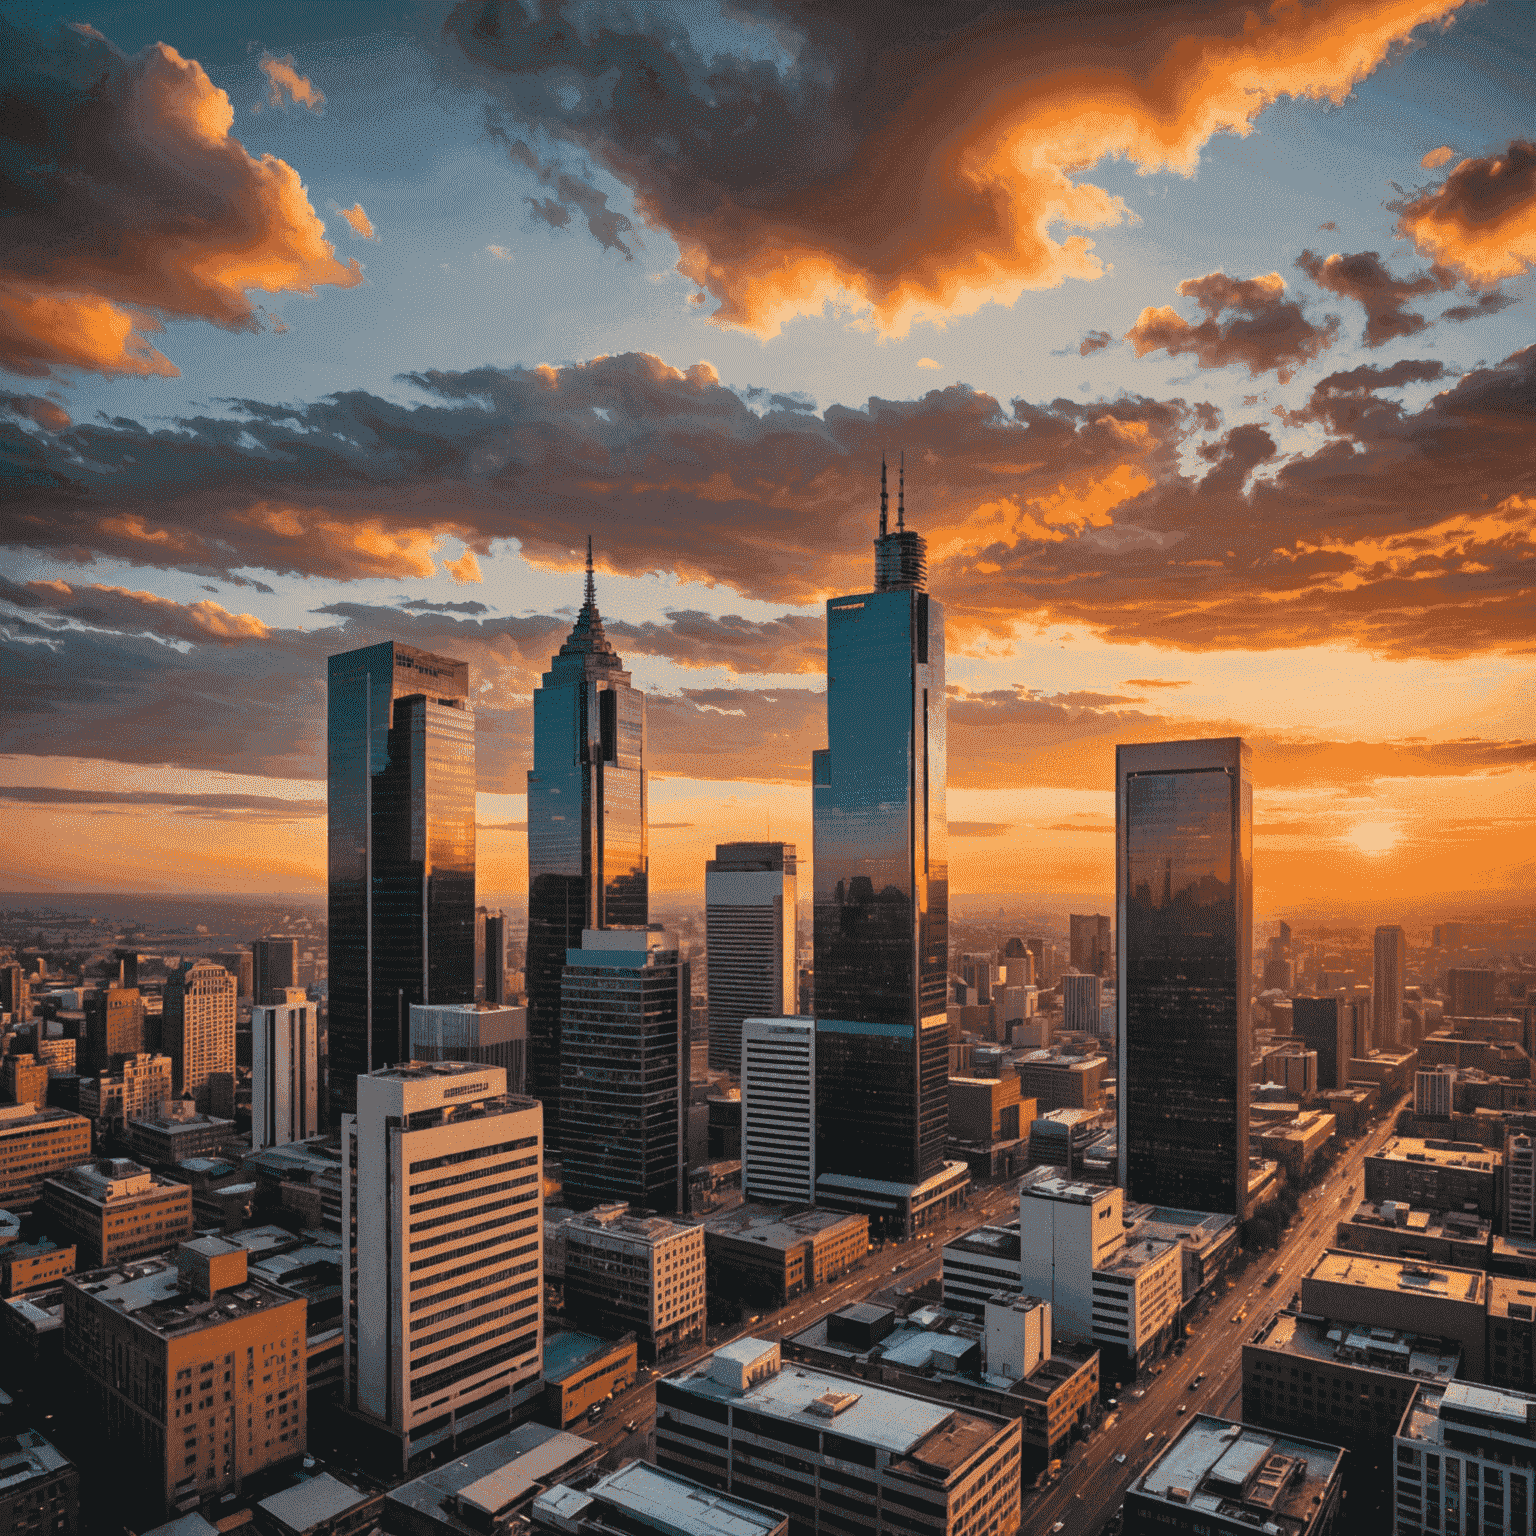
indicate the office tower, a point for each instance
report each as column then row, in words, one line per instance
column 493, row 1033
column 15, row 993
column 1021, row 966
column 980, row 971
column 624, row 1069
column 197, row 1028
column 127, row 967
column 115, row 1210
column 1184, row 920
column 1434, row 1093
column 1080, row 1002
column 443, row 1137
column 749, row 919
column 881, row 911
column 274, row 968
column 778, row 1110
column 1469, row 994
column 1519, row 1185
column 24, row 1080
column 1089, row 944
column 494, row 964
column 210, row 1349
column 1447, row 936
column 588, row 864
column 1387, row 997
column 114, row 1027
column 401, row 849
column 239, row 964
column 285, row 1071
column 1338, row 1029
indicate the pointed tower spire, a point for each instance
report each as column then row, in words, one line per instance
column 885, row 498
column 901, row 493
column 591, row 595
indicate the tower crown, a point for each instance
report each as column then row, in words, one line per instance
column 901, row 558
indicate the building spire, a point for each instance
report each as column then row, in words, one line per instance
column 901, row 493
column 591, row 594
column 885, row 498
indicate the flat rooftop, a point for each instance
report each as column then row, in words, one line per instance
column 566, row 1350
column 1386, row 1349
column 669, row 1504
column 1054, row 1187
column 987, row 1242
column 1511, row 1298
column 1135, row 1256
column 775, row 1227
column 151, row 1291
column 314, row 1499
column 1448, row 1226
column 1344, row 1267
column 1503, row 1416
column 24, row 1456
column 1442, row 1154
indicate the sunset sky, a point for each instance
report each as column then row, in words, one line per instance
column 1208, row 333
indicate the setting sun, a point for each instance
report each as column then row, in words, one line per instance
column 1374, row 836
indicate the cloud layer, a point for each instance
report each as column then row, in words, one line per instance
column 1481, row 220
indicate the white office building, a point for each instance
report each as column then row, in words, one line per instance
column 1434, row 1092
column 285, row 1071
column 1519, row 1185
column 778, row 1110
column 441, row 1185
column 749, row 917
column 1080, row 1002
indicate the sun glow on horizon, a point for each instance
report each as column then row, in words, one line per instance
column 1374, row 837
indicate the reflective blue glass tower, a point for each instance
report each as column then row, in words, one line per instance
column 588, row 857
column 882, row 877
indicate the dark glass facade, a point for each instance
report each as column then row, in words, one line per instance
column 401, row 851
column 881, row 907
column 1184, row 831
column 588, row 854
column 624, row 1067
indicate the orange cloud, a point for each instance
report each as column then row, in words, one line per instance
column 465, row 569
column 1481, row 220
column 362, row 224
column 1437, row 157
column 140, row 205
column 285, row 84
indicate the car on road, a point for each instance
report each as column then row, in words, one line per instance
column 1272, row 1280
column 1196, row 1379
column 1120, row 1459
column 1147, row 1440
column 594, row 1413
column 632, row 1426
column 1060, row 1525
column 1240, row 1314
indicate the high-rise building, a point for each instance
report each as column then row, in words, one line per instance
column 1519, row 1185
column 401, row 851
column 749, row 919
column 494, row 963
column 197, row 1027
column 624, row 1070
column 1089, row 943
column 114, row 1027
column 285, row 1071
column 444, row 1313
column 274, row 968
column 1184, row 922
column 778, row 1110
column 24, row 1080
column 1080, row 1002
column 492, row 1033
column 588, row 858
column 15, row 992
column 881, row 911
column 1387, row 997
column 240, row 964
column 1337, row 1027
column 1469, row 994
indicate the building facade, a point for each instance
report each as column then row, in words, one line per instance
column 400, row 839
column 1080, row 1002
column 1338, row 1029
column 1184, row 878
column 197, row 1028
column 274, row 969
column 778, row 1110
column 588, row 848
column 114, row 1027
column 35, row 1143
column 1090, row 944
column 1387, row 993
column 116, row 1210
column 493, row 1033
column 285, row 1070
column 139, row 1089
column 749, row 919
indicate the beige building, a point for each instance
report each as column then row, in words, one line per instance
column 1295, row 1144
column 24, row 1080
column 1063, row 1082
column 987, row 1109
column 116, row 1210
column 193, row 1369
column 765, row 1257
column 197, row 1027
column 35, row 1143
column 643, row 1274
column 139, row 1089
column 1437, row 1175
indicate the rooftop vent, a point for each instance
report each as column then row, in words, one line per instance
column 831, row 1403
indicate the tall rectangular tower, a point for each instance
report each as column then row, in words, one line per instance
column 274, row 968
column 197, row 1027
column 588, row 851
column 1184, row 927
column 401, row 850
column 285, row 1071
column 882, row 879
column 749, row 919
column 1387, row 997
column 778, row 1110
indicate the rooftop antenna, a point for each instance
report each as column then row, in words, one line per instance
column 591, row 585
column 901, row 493
column 884, row 496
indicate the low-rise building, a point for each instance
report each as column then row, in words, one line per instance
column 179, row 1133
column 322, row 1505
column 823, row 1447
column 581, row 1371
column 1207, row 1242
column 987, row 1109
column 1465, row 1460
column 1392, row 1071
column 34, row 1266
column 32, row 1327
column 1512, row 1256
column 978, row 1265
column 1221, row 1478
column 116, row 1210
column 1056, row 1081
column 1436, row 1175
column 34, row 1144
column 1396, row 1230
column 1060, row 1138
column 1351, row 1108
column 1344, row 1382
column 763, row 1257
column 637, row 1274
column 1295, row 1144
column 39, row 1487
column 138, row 1088
column 641, row 1499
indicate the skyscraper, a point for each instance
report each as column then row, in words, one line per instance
column 1337, row 1027
column 197, row 1026
column 1469, row 993
column 1090, row 943
column 114, row 1028
column 588, row 860
column 778, row 1110
column 882, row 881
column 401, row 847
column 1387, row 999
column 749, row 919
column 1184, row 921
column 274, row 968
column 285, row 1072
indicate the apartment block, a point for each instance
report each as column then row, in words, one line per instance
column 1512, row 1333
column 115, row 1210
column 193, row 1370
column 988, row 1109
column 837, row 1454
column 178, row 1133
column 139, row 1088
column 24, row 1080
column 778, row 1109
column 639, row 1274
column 764, row 1258
column 1519, row 1185
column 35, row 1143
column 1438, row 1175
column 442, row 1189
column 34, row 1266
column 197, row 1026
column 114, row 1027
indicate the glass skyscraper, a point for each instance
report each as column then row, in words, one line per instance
column 882, row 879
column 1184, row 926
column 588, row 859
column 401, row 851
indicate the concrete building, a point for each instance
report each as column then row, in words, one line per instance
column 1344, row 1382
column 1062, row 1138
column 1512, row 1333
column 35, row 1143
column 1338, row 1029
column 34, row 1266
column 15, row 993
column 777, row 1063
column 638, row 1274
column 581, row 1371
column 116, row 1210
column 1295, row 1144
column 1207, row 1240
column 1434, row 1092
column 285, row 1070
column 114, row 1027
column 494, row 1034
column 179, row 1132
column 1469, row 993
column 1080, row 1000
column 1391, row 955
column 1221, row 1478
column 1063, row 1082
column 139, row 1089
column 813, row 1444
column 442, row 1185
column 749, row 920
column 1464, row 1460
column 1439, row 1175
column 39, row 1487
column 1436, row 1301
column 1295, row 1071
column 764, row 1258
column 643, row 1499
column 192, row 1368
column 24, row 1080
column 197, row 1027
column 980, row 1265
column 1519, row 1185
column 1396, row 1230
column 983, row 1110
